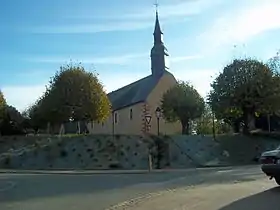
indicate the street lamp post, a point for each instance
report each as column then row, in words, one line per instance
column 158, row 112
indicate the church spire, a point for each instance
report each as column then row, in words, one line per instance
column 157, row 32
column 158, row 52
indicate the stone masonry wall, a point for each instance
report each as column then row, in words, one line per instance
column 129, row 152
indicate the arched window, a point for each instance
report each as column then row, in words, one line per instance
column 131, row 114
column 116, row 117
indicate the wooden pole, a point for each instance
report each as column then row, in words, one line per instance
column 268, row 122
column 150, row 161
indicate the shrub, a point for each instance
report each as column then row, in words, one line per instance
column 63, row 153
column 7, row 161
column 266, row 134
column 115, row 166
column 35, row 152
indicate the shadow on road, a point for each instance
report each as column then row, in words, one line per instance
column 268, row 199
column 28, row 187
column 112, row 188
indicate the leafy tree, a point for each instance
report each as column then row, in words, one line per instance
column 34, row 116
column 12, row 121
column 204, row 124
column 2, row 104
column 182, row 102
column 2, row 99
column 245, row 88
column 73, row 93
column 274, row 62
column 14, row 114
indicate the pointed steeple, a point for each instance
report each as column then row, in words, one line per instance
column 157, row 32
column 158, row 52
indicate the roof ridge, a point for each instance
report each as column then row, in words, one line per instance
column 135, row 92
column 129, row 84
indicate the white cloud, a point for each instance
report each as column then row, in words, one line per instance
column 184, row 58
column 91, row 28
column 199, row 78
column 170, row 10
column 121, row 59
column 238, row 26
column 124, row 79
column 124, row 21
column 22, row 97
column 118, row 59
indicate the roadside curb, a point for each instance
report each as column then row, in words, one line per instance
column 96, row 172
column 67, row 172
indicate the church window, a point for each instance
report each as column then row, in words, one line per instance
column 116, row 117
column 130, row 114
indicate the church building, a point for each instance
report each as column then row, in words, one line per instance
column 136, row 107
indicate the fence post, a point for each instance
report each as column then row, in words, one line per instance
column 150, row 161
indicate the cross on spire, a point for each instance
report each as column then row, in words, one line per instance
column 156, row 5
column 157, row 31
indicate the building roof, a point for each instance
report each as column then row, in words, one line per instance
column 133, row 93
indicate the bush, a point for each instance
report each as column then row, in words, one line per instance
column 63, row 153
column 11, row 122
column 8, row 128
column 115, row 166
column 266, row 134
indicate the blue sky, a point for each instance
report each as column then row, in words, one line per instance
column 115, row 38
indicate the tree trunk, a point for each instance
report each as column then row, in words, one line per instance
column 249, row 122
column 79, row 127
column 236, row 126
column 48, row 127
column 185, row 127
column 268, row 122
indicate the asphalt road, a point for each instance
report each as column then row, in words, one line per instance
column 180, row 189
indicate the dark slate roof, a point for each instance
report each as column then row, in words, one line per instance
column 133, row 93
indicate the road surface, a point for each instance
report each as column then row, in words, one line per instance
column 212, row 189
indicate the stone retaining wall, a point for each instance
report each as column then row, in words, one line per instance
column 129, row 152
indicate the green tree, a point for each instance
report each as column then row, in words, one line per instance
column 2, row 99
column 35, row 116
column 182, row 102
column 274, row 62
column 73, row 93
column 245, row 88
column 269, row 110
column 2, row 106
column 204, row 124
column 14, row 115
column 12, row 121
